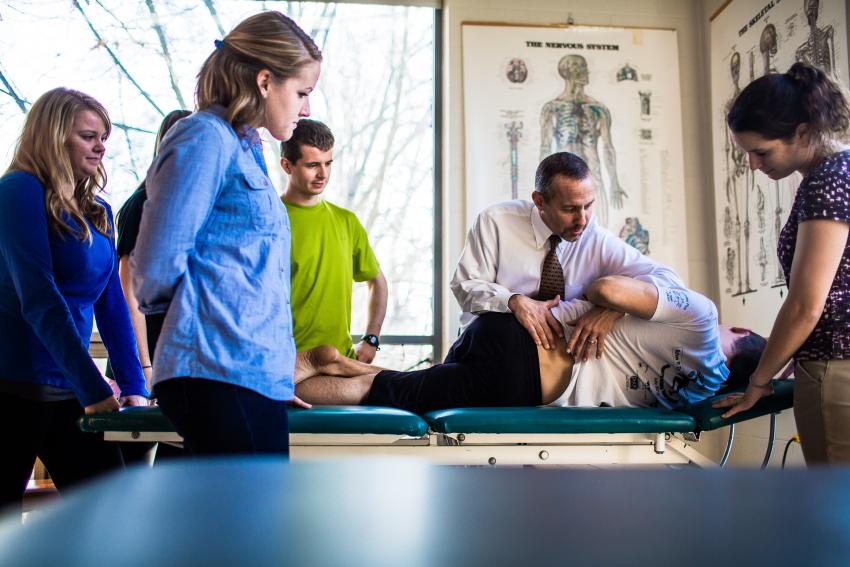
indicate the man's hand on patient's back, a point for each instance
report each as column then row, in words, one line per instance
column 537, row 319
column 590, row 331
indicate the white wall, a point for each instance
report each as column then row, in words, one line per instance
column 682, row 15
column 690, row 18
column 751, row 436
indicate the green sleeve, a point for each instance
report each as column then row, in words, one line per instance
column 363, row 261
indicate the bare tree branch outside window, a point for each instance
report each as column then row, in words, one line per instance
column 166, row 53
column 10, row 91
column 104, row 45
column 139, row 57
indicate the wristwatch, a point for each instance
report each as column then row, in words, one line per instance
column 371, row 340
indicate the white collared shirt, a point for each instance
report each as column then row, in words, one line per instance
column 504, row 253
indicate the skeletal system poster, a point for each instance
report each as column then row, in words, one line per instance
column 748, row 39
column 610, row 95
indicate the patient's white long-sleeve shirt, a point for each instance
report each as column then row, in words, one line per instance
column 674, row 358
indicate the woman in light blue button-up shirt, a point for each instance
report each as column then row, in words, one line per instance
column 213, row 246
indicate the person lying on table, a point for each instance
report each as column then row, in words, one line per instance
column 668, row 350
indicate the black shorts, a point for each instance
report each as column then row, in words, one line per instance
column 493, row 363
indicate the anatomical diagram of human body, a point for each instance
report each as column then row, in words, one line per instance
column 575, row 122
column 819, row 47
column 740, row 184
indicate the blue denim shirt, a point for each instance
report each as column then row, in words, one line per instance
column 213, row 252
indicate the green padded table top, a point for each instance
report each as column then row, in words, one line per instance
column 698, row 417
column 320, row 419
column 356, row 419
column 128, row 419
column 390, row 421
column 559, row 420
column 708, row 418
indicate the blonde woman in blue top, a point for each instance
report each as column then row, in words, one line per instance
column 213, row 246
column 58, row 270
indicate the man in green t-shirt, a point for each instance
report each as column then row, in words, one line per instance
column 330, row 250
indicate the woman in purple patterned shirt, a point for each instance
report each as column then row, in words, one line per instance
column 799, row 121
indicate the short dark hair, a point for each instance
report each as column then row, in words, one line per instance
column 560, row 163
column 743, row 363
column 307, row 133
column 170, row 120
column 774, row 105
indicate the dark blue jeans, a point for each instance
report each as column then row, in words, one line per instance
column 215, row 418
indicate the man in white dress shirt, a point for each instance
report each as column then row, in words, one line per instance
column 500, row 267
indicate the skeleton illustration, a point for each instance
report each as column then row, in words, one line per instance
column 768, row 46
column 819, row 48
column 514, row 133
column 751, row 56
column 739, row 183
column 645, row 107
column 779, row 278
column 730, row 269
column 727, row 225
column 762, row 259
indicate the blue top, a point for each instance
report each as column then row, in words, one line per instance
column 50, row 286
column 213, row 251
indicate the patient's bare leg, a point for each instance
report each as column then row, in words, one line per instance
column 334, row 390
column 325, row 360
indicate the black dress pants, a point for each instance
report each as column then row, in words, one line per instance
column 493, row 363
column 49, row 431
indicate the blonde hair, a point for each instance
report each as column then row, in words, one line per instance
column 228, row 77
column 41, row 151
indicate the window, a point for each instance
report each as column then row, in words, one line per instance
column 376, row 92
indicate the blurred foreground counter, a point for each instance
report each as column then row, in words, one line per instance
column 383, row 512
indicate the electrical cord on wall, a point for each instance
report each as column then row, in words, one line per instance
column 794, row 439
